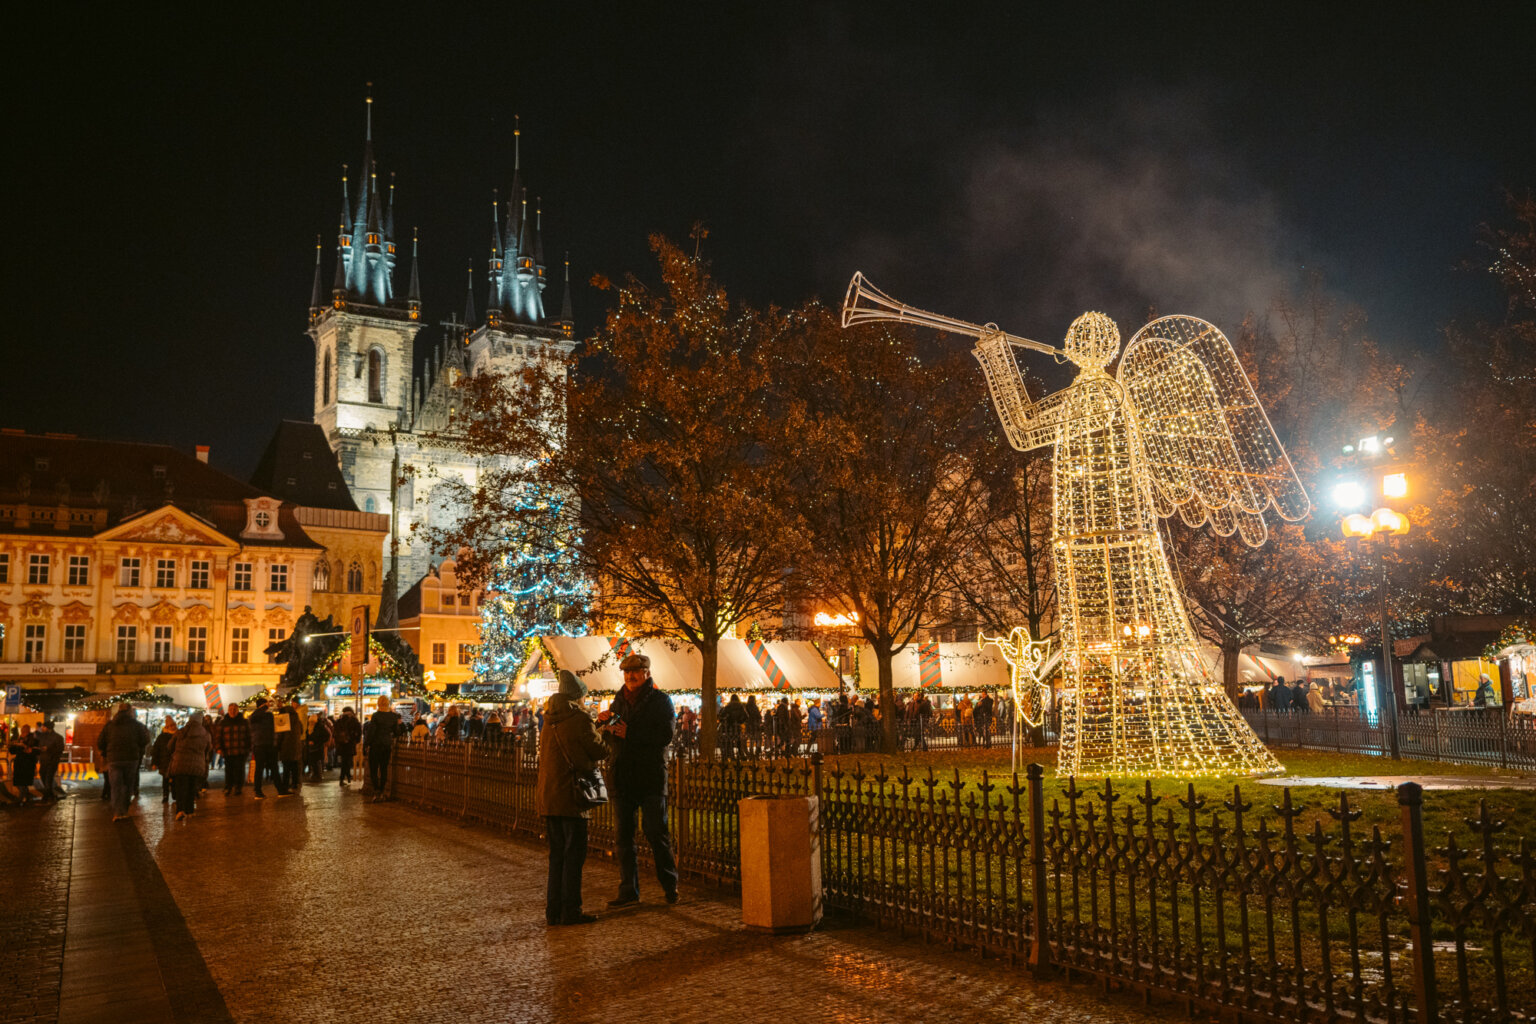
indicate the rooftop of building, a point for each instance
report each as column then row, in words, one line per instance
column 121, row 480
column 299, row 466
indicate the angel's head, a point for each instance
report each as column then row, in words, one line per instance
column 1092, row 341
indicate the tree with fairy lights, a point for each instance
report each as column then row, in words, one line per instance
column 534, row 588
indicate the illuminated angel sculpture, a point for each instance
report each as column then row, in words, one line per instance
column 1025, row 658
column 1176, row 429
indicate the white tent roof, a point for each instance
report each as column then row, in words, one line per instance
column 680, row 666
column 192, row 695
column 960, row 665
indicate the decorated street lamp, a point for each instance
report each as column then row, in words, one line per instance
column 1382, row 527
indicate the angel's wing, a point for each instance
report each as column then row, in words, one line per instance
column 1206, row 439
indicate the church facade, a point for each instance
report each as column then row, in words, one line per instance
column 393, row 427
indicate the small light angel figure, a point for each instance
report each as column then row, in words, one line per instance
column 1025, row 658
column 1177, row 428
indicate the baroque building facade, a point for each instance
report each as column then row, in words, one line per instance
column 126, row 565
column 394, row 428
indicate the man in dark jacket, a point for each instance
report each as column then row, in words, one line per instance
column 122, row 742
column 290, row 747
column 474, row 729
column 232, row 739
column 378, row 740
column 638, row 729
column 346, row 734
column 733, row 719
column 50, row 750
column 982, row 716
column 264, row 747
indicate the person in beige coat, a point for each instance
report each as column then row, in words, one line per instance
column 569, row 745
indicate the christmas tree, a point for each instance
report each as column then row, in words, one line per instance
column 536, row 589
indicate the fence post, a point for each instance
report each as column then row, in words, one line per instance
column 1040, row 949
column 1410, row 797
column 1503, row 738
column 464, row 807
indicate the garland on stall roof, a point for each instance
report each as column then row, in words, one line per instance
column 98, row 703
column 1514, row 635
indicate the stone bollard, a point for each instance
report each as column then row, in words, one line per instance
column 780, row 863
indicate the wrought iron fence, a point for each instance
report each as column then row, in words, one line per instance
column 1480, row 736
column 1220, row 906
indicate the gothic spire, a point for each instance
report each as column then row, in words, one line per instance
column 567, row 320
column 538, row 235
column 389, row 211
column 316, row 299
column 469, row 299
column 413, row 297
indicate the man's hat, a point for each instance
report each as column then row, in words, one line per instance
column 635, row 661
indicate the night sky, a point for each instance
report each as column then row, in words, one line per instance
column 167, row 176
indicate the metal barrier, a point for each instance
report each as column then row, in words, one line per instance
column 1254, row 917
column 1480, row 736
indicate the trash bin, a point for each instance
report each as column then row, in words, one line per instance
column 780, row 863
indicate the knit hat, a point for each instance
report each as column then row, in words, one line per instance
column 570, row 686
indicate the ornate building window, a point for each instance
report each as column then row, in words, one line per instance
column 128, row 575
column 197, row 643
column 277, row 578
column 354, row 578
column 325, row 389
column 240, row 645
column 127, row 643
column 79, row 570
column 322, row 581
column 242, row 577
column 161, row 644
column 165, row 573
column 74, row 642
column 201, row 574
column 37, row 570
column 375, row 376
column 36, row 639
column 369, row 505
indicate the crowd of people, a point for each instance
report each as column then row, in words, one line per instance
column 278, row 745
column 1302, row 697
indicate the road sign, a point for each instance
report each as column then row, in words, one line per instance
column 12, row 696
column 359, row 634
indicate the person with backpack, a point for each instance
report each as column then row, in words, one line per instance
column 122, row 742
column 264, row 747
column 346, row 735
column 378, row 742
column 160, row 756
column 188, row 768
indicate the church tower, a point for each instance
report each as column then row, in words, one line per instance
column 516, row 329
column 364, row 332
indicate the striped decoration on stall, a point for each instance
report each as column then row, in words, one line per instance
column 930, row 673
column 776, row 677
column 620, row 647
column 211, row 695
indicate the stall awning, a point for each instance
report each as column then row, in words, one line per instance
column 742, row 665
column 956, row 665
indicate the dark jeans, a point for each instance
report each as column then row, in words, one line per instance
column 345, row 753
column 652, row 811
column 984, row 729
column 234, row 773
column 46, row 773
column 184, row 790
column 120, row 778
column 567, row 853
column 378, row 770
column 266, row 767
column 289, row 781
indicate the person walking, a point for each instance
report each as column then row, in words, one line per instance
column 569, row 746
column 378, row 741
column 264, row 747
column 122, row 742
column 315, row 743
column 232, row 739
column 23, row 763
column 346, row 735
column 981, row 714
column 733, row 719
column 160, row 756
column 50, row 751
column 190, row 747
column 638, row 729
column 290, row 747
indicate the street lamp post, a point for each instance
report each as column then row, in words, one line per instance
column 1384, row 525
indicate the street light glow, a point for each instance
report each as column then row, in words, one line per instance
column 1348, row 494
column 1395, row 485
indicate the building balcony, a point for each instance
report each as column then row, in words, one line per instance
column 153, row 668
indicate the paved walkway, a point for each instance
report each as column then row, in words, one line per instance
column 329, row 908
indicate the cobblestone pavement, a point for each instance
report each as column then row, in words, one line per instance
column 329, row 908
column 34, row 861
